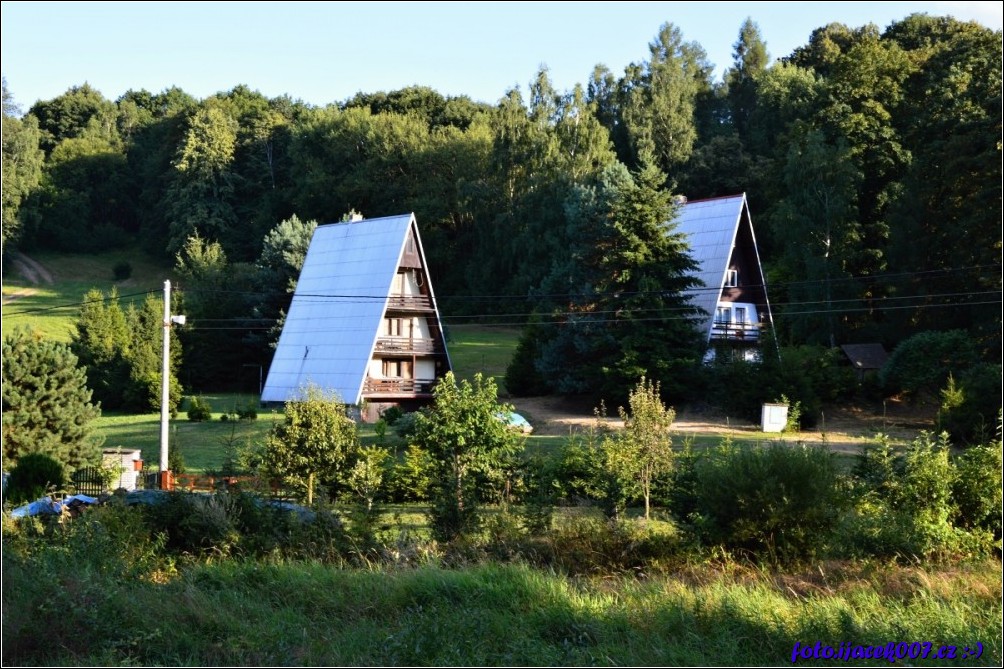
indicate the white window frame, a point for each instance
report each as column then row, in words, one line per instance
column 731, row 278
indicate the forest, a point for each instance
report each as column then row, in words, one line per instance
column 871, row 160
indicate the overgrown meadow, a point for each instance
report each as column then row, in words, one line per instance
column 782, row 550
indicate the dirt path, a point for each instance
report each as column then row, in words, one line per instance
column 32, row 271
column 843, row 430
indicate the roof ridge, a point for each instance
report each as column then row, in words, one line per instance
column 712, row 199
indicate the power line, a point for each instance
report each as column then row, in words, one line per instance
column 586, row 319
column 366, row 299
column 363, row 298
column 75, row 304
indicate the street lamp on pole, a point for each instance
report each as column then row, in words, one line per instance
column 165, row 386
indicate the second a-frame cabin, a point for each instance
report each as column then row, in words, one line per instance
column 363, row 322
column 734, row 295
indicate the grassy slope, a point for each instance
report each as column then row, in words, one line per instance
column 53, row 309
column 204, row 446
column 484, row 349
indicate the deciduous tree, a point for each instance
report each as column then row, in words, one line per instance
column 22, row 163
column 646, row 440
column 314, row 442
column 471, row 448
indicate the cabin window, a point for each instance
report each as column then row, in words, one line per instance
column 410, row 245
column 398, row 327
column 740, row 314
column 723, row 315
column 731, row 278
column 397, row 369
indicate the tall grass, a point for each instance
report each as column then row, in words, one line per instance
column 252, row 613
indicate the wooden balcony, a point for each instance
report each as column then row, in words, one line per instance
column 407, row 346
column 391, row 388
column 409, row 303
column 738, row 332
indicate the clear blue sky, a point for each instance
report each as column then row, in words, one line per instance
column 323, row 52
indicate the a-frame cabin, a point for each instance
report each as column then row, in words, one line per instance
column 363, row 322
column 733, row 298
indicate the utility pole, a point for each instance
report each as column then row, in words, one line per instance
column 166, row 482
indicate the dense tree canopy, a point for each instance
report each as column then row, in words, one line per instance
column 22, row 163
column 871, row 158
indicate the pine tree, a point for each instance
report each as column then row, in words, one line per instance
column 46, row 402
column 145, row 358
column 625, row 315
column 101, row 343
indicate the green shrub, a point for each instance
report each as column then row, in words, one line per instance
column 175, row 460
column 680, row 493
column 914, row 504
column 248, row 412
column 575, row 470
column 240, row 524
column 33, row 476
column 409, row 480
column 538, row 492
column 596, row 468
column 199, row 409
column 781, row 499
column 970, row 406
column 794, row 422
column 808, row 375
column 122, row 270
column 406, row 424
column 590, row 546
column 977, row 488
column 391, row 414
column 922, row 363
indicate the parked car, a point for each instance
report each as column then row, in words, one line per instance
column 516, row 422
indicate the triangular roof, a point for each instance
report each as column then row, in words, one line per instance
column 334, row 319
column 710, row 227
column 866, row 356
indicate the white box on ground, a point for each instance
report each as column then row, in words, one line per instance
column 774, row 417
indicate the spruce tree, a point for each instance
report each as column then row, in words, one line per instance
column 101, row 343
column 618, row 306
column 46, row 402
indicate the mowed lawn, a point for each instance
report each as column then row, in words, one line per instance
column 204, row 446
column 481, row 348
column 53, row 308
